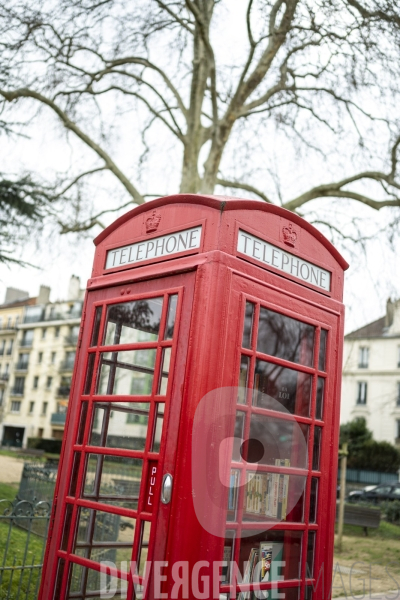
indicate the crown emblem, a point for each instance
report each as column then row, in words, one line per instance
column 289, row 235
column 153, row 221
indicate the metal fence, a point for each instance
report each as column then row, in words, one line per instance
column 23, row 533
column 368, row 477
column 37, row 483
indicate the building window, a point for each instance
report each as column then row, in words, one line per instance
column 35, row 382
column 9, row 321
column 398, row 394
column 40, row 357
column 53, row 358
column 362, row 392
column 57, row 332
column 2, row 347
column 363, row 357
column 44, row 333
column 19, row 385
column 27, row 338
column 49, row 382
column 1, row 396
column 44, row 408
column 31, row 407
column 398, row 356
column 10, row 346
column 23, row 360
column 398, row 429
column 16, row 320
column 6, row 368
column 15, row 406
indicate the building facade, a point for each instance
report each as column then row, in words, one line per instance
column 371, row 375
column 35, row 399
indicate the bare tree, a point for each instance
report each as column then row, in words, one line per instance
column 309, row 68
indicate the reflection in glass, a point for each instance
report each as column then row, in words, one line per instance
column 309, row 593
column 320, row 398
column 172, row 304
column 285, row 338
column 120, row 425
column 279, row 388
column 165, row 362
column 313, row 499
column 85, row 582
column 75, row 472
column 317, row 448
column 89, row 373
column 281, row 550
column 96, row 326
column 248, row 325
column 274, row 496
column 238, row 435
column 283, row 440
column 310, row 554
column 144, row 546
column 82, row 423
column 67, row 526
column 160, row 407
column 322, row 349
column 132, row 322
column 113, row 479
column 103, row 536
column 126, row 373
column 227, row 558
column 243, row 379
column 59, row 578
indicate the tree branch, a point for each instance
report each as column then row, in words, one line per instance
column 243, row 186
column 109, row 163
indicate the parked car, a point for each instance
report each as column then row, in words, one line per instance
column 376, row 493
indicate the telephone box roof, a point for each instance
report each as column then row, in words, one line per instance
column 221, row 204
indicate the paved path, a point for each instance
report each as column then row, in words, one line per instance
column 10, row 469
column 393, row 595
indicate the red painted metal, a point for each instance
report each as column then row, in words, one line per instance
column 213, row 283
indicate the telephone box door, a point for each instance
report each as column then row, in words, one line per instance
column 115, row 486
column 286, row 405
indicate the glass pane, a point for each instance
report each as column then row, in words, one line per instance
column 309, row 593
column 96, row 326
column 273, row 496
column 160, row 407
column 317, row 448
column 132, row 322
column 238, row 435
column 248, row 325
column 313, row 499
column 113, row 479
column 320, row 398
column 271, row 555
column 282, row 389
column 165, row 361
column 67, row 526
column 243, row 379
column 172, row 304
column 120, row 425
column 285, row 338
column 75, row 472
column 234, row 484
column 59, row 578
column 86, row 581
column 227, row 557
column 322, row 350
column 281, row 440
column 126, row 373
column 310, row 554
column 145, row 538
column 103, row 536
column 89, row 373
column 82, row 423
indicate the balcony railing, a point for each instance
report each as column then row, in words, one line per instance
column 71, row 340
column 26, row 343
column 63, row 391
column 21, row 366
column 67, row 365
column 58, row 418
column 16, row 391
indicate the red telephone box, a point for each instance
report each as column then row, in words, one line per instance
column 200, row 450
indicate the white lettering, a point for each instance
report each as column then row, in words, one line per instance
column 283, row 261
column 182, row 241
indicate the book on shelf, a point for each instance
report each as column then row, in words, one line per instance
column 266, row 494
column 259, row 568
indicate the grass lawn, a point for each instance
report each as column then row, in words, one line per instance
column 367, row 563
column 18, row 547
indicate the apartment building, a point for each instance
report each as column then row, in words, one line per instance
column 371, row 375
column 39, row 375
